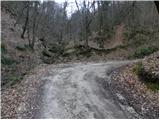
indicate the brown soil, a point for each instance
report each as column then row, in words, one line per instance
column 117, row 39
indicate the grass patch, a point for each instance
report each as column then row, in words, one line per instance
column 149, row 79
column 138, row 68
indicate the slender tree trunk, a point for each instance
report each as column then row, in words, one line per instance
column 26, row 21
column 157, row 5
column 100, row 17
column 100, row 24
column 70, row 27
column 28, row 32
column 40, row 17
column 19, row 17
column 34, row 24
column 28, row 35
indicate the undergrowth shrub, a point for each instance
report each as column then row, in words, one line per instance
column 142, row 52
column 148, row 78
column 138, row 68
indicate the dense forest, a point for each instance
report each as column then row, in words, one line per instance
column 96, row 21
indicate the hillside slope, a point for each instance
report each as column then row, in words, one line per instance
column 17, row 57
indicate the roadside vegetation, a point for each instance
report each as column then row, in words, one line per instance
column 151, row 80
column 144, row 51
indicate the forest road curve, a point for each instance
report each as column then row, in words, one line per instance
column 81, row 90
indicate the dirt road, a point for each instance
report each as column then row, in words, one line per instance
column 81, row 91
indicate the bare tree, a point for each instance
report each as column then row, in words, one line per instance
column 86, row 18
column 34, row 24
column 21, row 13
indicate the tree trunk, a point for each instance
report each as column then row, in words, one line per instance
column 26, row 21
column 157, row 5
column 34, row 24
column 19, row 17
